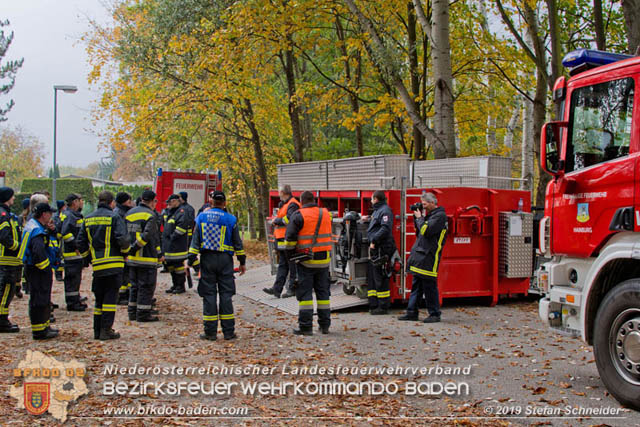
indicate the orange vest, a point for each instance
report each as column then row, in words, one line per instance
column 279, row 231
column 305, row 237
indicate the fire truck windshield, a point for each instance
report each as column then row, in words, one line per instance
column 600, row 123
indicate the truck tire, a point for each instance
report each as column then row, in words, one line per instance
column 616, row 343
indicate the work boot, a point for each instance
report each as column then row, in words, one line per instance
column 108, row 334
column 301, row 331
column 154, row 312
column 76, row 307
column 233, row 336
column 324, row 330
column 379, row 311
column 431, row 319
column 48, row 333
column 59, row 276
column 170, row 290
column 271, row 291
column 9, row 328
column 411, row 317
column 288, row 294
column 206, row 336
column 146, row 316
column 132, row 316
column 19, row 293
column 180, row 290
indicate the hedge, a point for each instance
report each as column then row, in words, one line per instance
column 16, row 208
column 134, row 190
column 64, row 187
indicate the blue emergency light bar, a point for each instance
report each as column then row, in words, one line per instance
column 592, row 58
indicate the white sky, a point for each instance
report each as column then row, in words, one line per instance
column 47, row 35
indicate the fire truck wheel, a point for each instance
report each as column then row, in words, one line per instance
column 348, row 290
column 616, row 343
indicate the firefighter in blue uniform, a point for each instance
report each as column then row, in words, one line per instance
column 10, row 263
column 381, row 249
column 216, row 239
column 104, row 234
column 73, row 258
column 37, row 256
column 424, row 261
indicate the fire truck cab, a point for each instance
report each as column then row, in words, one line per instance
column 591, row 226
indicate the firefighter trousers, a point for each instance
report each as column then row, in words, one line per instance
column 126, row 282
column 426, row 287
column 178, row 276
column 310, row 281
column 9, row 276
column 286, row 268
column 72, row 280
column 378, row 287
column 40, row 283
column 217, row 282
column 143, row 286
column 105, row 289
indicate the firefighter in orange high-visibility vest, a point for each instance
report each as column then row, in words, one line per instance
column 286, row 267
column 308, row 236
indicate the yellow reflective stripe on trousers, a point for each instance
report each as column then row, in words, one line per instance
column 108, row 266
column 372, row 293
column 108, row 307
column 226, row 316
column 39, row 327
column 210, row 318
column 323, row 304
column 385, row 294
column 306, row 303
column 44, row 264
column 97, row 311
column 5, row 297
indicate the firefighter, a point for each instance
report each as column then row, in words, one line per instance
column 309, row 233
column 73, row 258
column 146, row 254
column 286, row 267
column 175, row 243
column 123, row 204
column 381, row 249
column 10, row 263
column 36, row 254
column 104, row 233
column 58, row 218
column 216, row 239
column 190, row 211
column 425, row 257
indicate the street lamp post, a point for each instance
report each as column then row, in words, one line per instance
column 66, row 89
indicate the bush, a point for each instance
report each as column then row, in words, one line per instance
column 64, row 187
column 16, row 208
column 134, row 190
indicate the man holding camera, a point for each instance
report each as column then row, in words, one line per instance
column 381, row 249
column 423, row 263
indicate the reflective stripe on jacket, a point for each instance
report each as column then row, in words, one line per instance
column 69, row 233
column 427, row 250
column 9, row 238
column 175, row 241
column 301, row 234
column 282, row 219
column 144, row 233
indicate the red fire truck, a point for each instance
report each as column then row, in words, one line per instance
column 197, row 186
column 592, row 215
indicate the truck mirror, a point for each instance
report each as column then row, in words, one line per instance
column 550, row 147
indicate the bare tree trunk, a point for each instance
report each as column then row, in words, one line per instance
column 511, row 126
column 294, row 109
column 413, row 73
column 631, row 10
column 261, row 182
column 442, row 74
column 528, row 157
column 556, row 61
column 539, row 116
column 598, row 24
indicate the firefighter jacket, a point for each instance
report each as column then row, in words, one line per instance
column 190, row 213
column 175, row 242
column 105, row 235
column 121, row 210
column 70, row 228
column 144, row 232
column 309, row 229
column 58, row 220
column 35, row 248
column 216, row 231
column 431, row 232
column 9, row 238
column 280, row 222
column 381, row 228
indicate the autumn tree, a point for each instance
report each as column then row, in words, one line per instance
column 22, row 155
column 8, row 69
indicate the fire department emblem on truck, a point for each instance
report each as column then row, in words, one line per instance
column 36, row 397
column 583, row 212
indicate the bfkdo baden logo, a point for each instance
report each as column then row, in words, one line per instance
column 46, row 385
column 36, row 397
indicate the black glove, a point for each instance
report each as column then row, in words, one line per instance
column 191, row 259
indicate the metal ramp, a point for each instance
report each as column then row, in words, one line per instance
column 250, row 285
